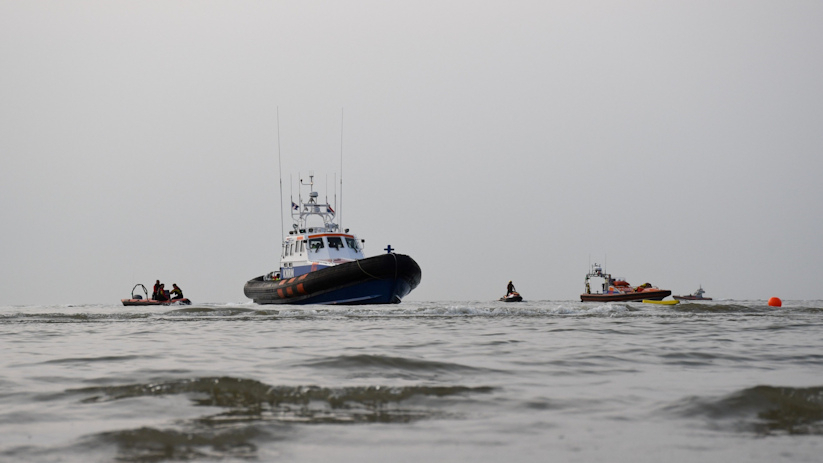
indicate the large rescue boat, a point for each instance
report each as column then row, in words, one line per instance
column 619, row 290
column 321, row 264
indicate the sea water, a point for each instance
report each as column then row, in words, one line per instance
column 420, row 381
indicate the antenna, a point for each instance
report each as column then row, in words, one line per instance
column 280, row 174
column 340, row 211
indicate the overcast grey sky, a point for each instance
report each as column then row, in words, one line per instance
column 680, row 141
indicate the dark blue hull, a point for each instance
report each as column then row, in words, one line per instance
column 383, row 279
column 372, row 292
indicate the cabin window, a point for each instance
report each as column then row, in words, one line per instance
column 352, row 244
column 335, row 242
column 316, row 244
column 302, row 246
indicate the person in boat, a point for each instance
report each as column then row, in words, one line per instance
column 155, row 290
column 176, row 292
column 161, row 293
column 642, row 287
column 510, row 288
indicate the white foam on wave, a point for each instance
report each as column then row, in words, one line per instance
column 608, row 308
column 410, row 309
column 445, row 310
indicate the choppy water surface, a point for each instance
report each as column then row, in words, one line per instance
column 474, row 381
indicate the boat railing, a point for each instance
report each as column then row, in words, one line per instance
column 333, row 261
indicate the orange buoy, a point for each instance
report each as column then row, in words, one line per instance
column 775, row 302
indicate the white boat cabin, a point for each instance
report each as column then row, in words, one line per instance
column 313, row 247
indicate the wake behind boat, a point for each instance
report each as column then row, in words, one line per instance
column 619, row 290
column 321, row 265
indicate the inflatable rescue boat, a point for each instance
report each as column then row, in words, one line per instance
column 619, row 290
column 137, row 299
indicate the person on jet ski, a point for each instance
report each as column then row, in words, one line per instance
column 510, row 288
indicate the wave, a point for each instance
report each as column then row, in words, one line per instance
column 252, row 411
column 222, row 311
column 87, row 360
column 381, row 362
column 240, row 393
column 149, row 444
column 439, row 309
column 495, row 309
column 763, row 410
column 56, row 317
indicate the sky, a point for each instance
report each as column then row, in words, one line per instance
column 676, row 142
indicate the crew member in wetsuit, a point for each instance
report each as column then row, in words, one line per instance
column 156, row 288
column 176, row 292
column 510, row 288
column 161, row 293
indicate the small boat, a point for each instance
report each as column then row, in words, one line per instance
column 619, row 290
column 513, row 296
column 696, row 296
column 667, row 302
column 321, row 264
column 137, row 299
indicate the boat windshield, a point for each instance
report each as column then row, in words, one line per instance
column 335, row 242
column 352, row 243
column 316, row 244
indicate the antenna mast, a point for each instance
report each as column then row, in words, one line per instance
column 340, row 211
column 280, row 174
